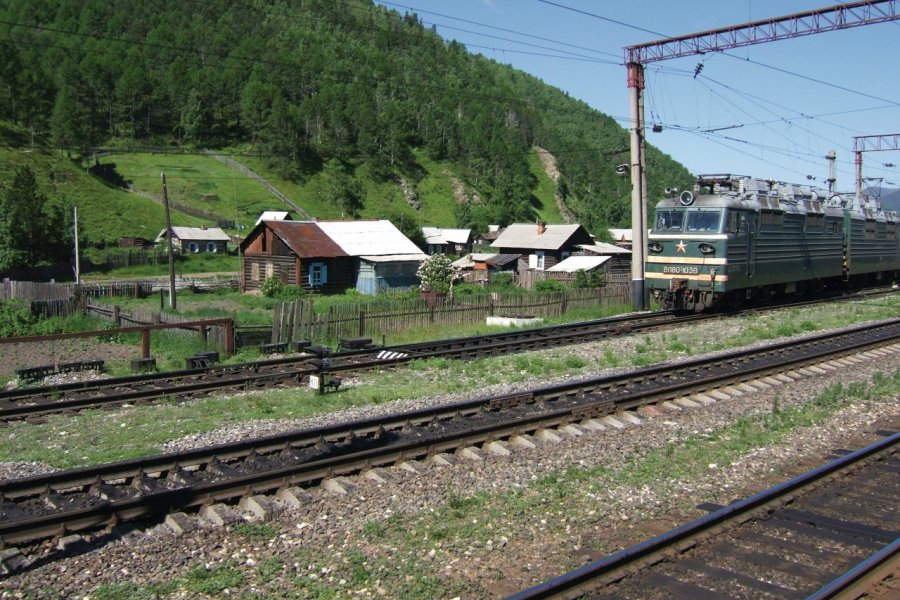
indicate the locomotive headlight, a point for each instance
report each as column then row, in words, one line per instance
column 707, row 248
column 655, row 247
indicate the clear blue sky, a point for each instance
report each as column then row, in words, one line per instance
column 786, row 103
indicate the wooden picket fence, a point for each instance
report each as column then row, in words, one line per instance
column 298, row 321
column 45, row 299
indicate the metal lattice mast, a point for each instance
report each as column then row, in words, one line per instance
column 871, row 143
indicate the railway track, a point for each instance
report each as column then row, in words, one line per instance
column 37, row 402
column 32, row 402
column 832, row 532
column 95, row 498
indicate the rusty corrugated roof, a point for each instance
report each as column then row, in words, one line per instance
column 305, row 238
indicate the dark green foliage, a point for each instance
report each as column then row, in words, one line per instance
column 549, row 285
column 33, row 229
column 271, row 287
column 342, row 190
column 502, row 280
column 312, row 84
column 589, row 279
column 16, row 318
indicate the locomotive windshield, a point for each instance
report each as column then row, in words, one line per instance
column 704, row 220
column 669, row 220
column 691, row 219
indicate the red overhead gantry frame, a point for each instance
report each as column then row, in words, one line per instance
column 840, row 16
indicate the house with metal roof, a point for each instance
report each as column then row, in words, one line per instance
column 193, row 240
column 481, row 267
column 579, row 263
column 620, row 258
column 330, row 256
column 447, row 241
column 273, row 215
column 540, row 245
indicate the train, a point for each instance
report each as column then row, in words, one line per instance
column 736, row 240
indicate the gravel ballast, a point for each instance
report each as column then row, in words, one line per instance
column 330, row 542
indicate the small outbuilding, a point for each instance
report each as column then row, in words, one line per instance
column 193, row 240
column 481, row 267
column 620, row 258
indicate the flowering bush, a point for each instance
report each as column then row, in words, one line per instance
column 437, row 274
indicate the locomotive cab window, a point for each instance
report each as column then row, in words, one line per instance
column 669, row 220
column 704, row 220
column 736, row 222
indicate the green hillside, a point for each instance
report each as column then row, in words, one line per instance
column 339, row 102
column 105, row 212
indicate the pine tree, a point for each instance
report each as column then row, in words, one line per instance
column 32, row 229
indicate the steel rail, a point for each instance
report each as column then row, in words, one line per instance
column 585, row 401
column 36, row 402
column 374, row 425
column 31, row 402
column 580, row 580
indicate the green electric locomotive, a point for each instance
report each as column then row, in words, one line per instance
column 736, row 239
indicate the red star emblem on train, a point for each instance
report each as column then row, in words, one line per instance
column 681, row 246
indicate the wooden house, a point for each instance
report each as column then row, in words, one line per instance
column 330, row 256
column 193, row 240
column 447, row 241
column 541, row 246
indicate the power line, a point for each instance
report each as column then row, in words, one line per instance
column 528, row 35
column 602, row 18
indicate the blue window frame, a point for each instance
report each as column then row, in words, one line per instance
column 318, row 273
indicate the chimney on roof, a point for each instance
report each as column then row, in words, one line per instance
column 541, row 227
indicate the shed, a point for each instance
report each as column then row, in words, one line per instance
column 620, row 257
column 480, row 267
column 388, row 260
column 579, row 263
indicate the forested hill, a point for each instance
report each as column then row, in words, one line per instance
column 308, row 83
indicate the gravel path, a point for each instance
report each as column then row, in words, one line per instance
column 381, row 539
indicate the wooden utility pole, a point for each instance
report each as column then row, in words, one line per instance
column 172, row 299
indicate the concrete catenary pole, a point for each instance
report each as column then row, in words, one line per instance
column 638, row 200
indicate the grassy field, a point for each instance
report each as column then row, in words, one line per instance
column 101, row 436
column 198, row 181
